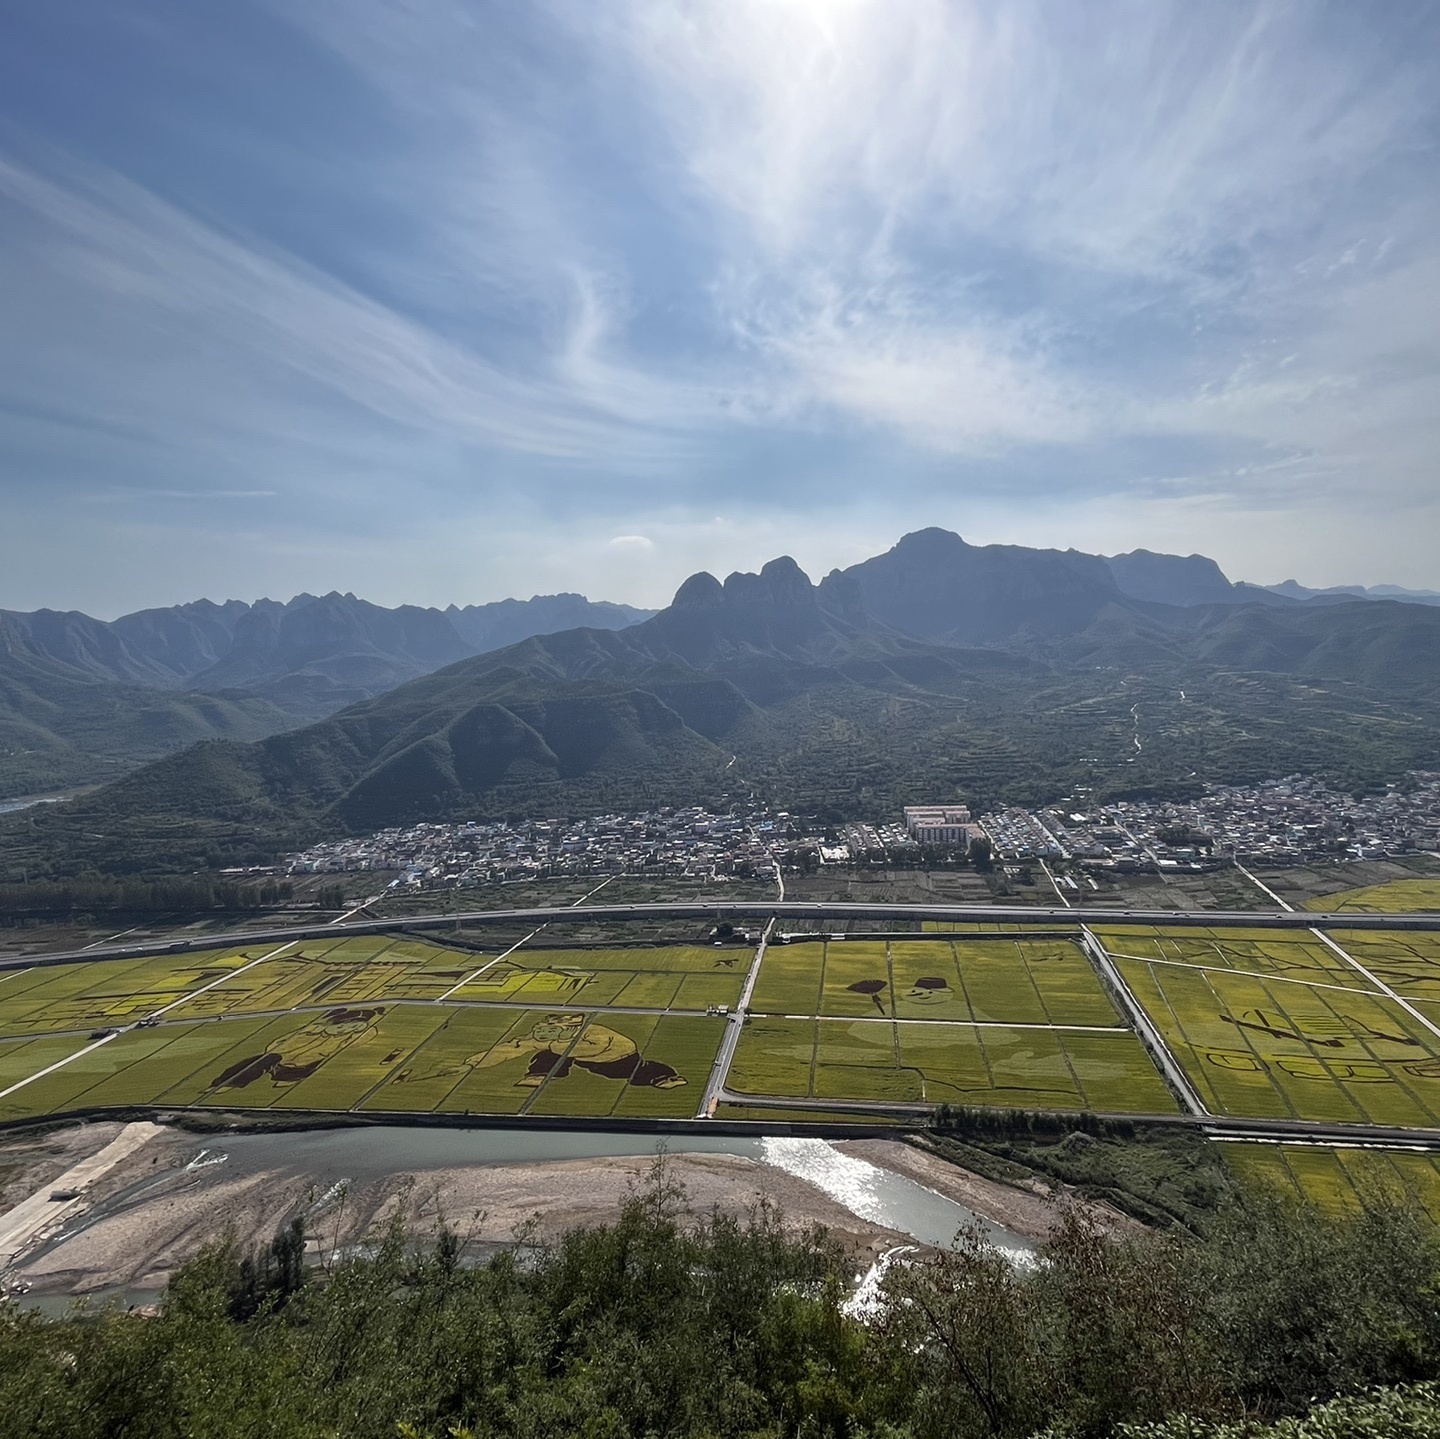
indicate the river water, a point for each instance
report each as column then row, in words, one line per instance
column 332, row 1156
column 865, row 1189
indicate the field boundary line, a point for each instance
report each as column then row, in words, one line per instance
column 154, row 1014
column 1262, row 886
column 730, row 1040
column 490, row 963
column 958, row 1023
column 1248, row 974
column 1380, row 983
column 216, row 983
column 1145, row 1027
column 59, row 1064
column 539, row 1089
column 1347, row 957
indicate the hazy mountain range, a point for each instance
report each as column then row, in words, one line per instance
column 938, row 668
column 84, row 699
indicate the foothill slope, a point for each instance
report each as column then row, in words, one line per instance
column 814, row 698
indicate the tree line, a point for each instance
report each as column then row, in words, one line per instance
column 98, row 894
column 669, row 1323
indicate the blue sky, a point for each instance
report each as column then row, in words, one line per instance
column 445, row 301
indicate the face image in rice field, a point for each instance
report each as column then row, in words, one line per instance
column 299, row 1055
column 503, row 980
column 561, row 1042
column 928, row 989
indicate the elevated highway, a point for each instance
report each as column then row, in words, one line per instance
column 781, row 911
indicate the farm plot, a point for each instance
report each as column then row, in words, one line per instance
column 946, row 1062
column 638, row 978
column 789, row 979
column 1409, row 962
column 1279, row 1027
column 81, row 997
column 1396, row 897
column 1341, row 1181
column 489, row 1062
column 346, row 1023
column 124, row 1070
column 997, row 981
column 98, row 994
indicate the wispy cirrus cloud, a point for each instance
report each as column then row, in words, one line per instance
column 559, row 269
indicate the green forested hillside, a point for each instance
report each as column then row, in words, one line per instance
column 769, row 688
column 61, row 727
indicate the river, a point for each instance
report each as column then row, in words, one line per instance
column 336, row 1156
column 878, row 1195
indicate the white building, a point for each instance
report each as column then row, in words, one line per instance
column 939, row 824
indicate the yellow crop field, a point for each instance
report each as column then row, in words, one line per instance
column 1281, row 1026
column 1341, row 1181
column 380, row 1025
column 998, row 981
column 947, row 1062
column 1398, row 896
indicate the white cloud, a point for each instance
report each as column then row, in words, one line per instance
column 638, row 261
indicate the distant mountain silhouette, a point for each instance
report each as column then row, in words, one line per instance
column 935, row 586
column 1171, row 579
column 78, row 697
column 1010, row 656
column 935, row 668
column 1291, row 589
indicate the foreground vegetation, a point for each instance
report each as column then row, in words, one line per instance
column 671, row 1324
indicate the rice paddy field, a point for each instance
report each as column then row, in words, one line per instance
column 1277, row 1024
column 1340, row 1181
column 1395, row 897
column 1269, row 1024
column 1013, row 1023
column 371, row 1024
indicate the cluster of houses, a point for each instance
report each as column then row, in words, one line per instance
column 1288, row 821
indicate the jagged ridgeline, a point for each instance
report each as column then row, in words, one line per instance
column 994, row 673
column 83, row 700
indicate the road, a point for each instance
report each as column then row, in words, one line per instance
column 723, row 909
column 1272, row 1131
column 1422, row 1019
column 41, row 1214
column 721, row 1070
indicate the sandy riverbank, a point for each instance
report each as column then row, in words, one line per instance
column 1032, row 1211
column 156, row 1209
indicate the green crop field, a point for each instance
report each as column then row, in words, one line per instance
column 1266, row 1024
column 1278, row 1025
column 1341, row 1181
column 1000, row 981
column 358, row 1023
column 946, row 1062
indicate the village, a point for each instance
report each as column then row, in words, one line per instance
column 1295, row 820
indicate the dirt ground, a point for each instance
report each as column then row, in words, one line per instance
column 158, row 1207
column 31, row 1160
